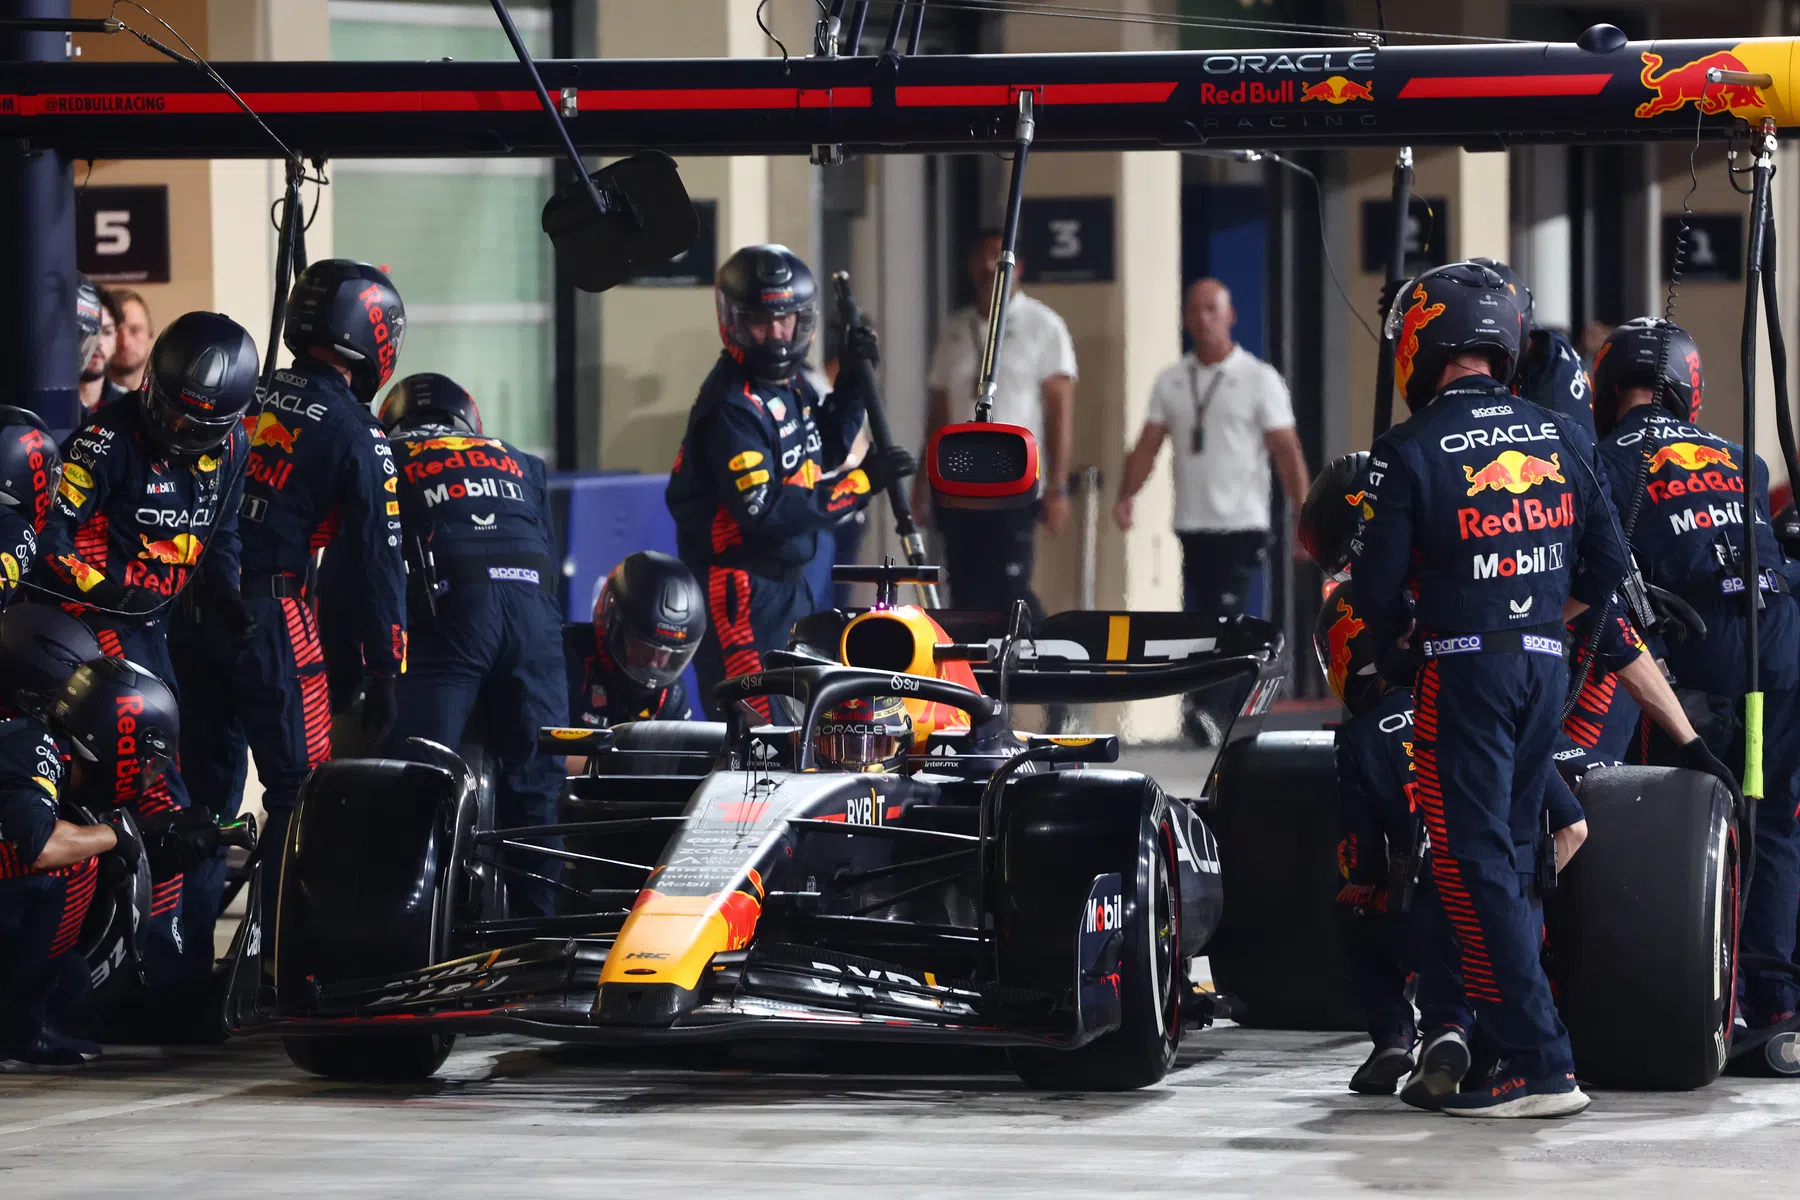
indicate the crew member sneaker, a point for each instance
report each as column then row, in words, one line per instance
column 56, row 1039
column 1442, row 1064
column 39, row 1055
column 1517, row 1096
column 1385, row 1068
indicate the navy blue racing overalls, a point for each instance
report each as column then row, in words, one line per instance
column 319, row 466
column 40, row 912
column 19, row 527
column 1551, row 376
column 601, row 695
column 1492, row 510
column 1603, row 728
column 1689, row 538
column 748, row 499
column 494, row 646
column 131, row 528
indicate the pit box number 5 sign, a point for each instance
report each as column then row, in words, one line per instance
column 122, row 234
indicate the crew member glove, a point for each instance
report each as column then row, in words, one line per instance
column 120, row 863
column 860, row 343
column 1787, row 529
column 1696, row 757
column 380, row 705
column 180, row 841
column 885, row 467
column 138, row 601
column 235, row 615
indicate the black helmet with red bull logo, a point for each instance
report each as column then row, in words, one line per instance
column 649, row 617
column 30, row 464
column 1521, row 296
column 429, row 399
column 1641, row 353
column 202, row 377
column 40, row 647
column 1456, row 309
column 121, row 722
column 1333, row 510
column 873, row 734
column 755, row 287
column 352, row 310
column 1346, row 651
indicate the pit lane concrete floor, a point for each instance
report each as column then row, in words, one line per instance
column 1245, row 1114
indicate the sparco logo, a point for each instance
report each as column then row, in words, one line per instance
column 1520, row 562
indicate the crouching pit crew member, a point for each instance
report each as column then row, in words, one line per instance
column 30, row 470
column 475, row 514
column 1489, row 625
column 319, row 465
column 746, row 490
column 1687, row 487
column 627, row 664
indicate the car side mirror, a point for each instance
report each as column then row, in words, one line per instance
column 649, row 219
column 981, row 464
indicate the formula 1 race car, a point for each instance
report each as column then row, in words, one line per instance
column 720, row 883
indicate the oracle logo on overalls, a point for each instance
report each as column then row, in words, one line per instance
column 385, row 340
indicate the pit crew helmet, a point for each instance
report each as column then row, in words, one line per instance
column 1637, row 354
column 869, row 735
column 40, row 647
column 757, row 283
column 1334, row 508
column 202, row 377
column 649, row 618
column 429, row 399
column 1458, row 308
column 1346, row 650
column 30, row 463
column 1520, row 293
column 121, row 721
column 351, row 309
column 87, row 319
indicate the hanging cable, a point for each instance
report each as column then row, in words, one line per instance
column 1365, row 35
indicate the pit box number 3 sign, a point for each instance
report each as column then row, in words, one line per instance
column 1067, row 239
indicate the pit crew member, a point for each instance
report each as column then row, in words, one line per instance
column 30, row 469
column 1489, row 614
column 1549, row 371
column 319, row 465
column 1686, row 487
column 746, row 490
column 626, row 665
column 489, row 633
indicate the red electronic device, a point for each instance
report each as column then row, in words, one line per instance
column 982, row 464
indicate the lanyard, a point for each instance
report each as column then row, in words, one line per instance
column 1201, row 403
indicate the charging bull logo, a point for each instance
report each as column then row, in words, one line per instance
column 452, row 442
column 1343, row 631
column 1691, row 456
column 271, row 432
column 1514, row 472
column 86, row 577
column 182, row 550
column 1337, row 90
column 1677, row 86
column 1406, row 346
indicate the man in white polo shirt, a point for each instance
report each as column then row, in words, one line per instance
column 989, row 554
column 1227, row 413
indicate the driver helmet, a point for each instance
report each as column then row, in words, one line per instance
column 755, row 286
column 873, row 735
column 1459, row 308
column 122, row 724
column 40, row 647
column 1333, row 511
column 201, row 380
column 649, row 618
column 1346, row 651
column 429, row 399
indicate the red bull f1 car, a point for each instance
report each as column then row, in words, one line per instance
column 719, row 883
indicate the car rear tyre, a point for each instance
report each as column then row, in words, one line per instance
column 363, row 895
column 1642, row 930
column 1150, row 975
column 1278, row 953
